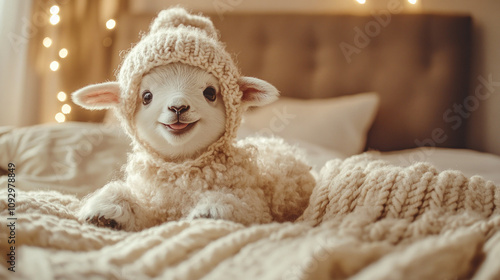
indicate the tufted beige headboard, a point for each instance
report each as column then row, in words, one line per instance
column 419, row 64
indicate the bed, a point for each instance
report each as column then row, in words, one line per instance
column 370, row 98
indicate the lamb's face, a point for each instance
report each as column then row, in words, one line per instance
column 181, row 111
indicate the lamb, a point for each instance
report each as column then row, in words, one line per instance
column 180, row 98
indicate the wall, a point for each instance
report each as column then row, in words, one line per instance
column 483, row 115
column 484, row 125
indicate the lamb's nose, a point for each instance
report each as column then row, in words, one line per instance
column 179, row 109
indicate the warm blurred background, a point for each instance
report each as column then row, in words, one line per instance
column 51, row 48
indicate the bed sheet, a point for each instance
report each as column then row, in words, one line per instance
column 353, row 227
column 366, row 220
column 469, row 162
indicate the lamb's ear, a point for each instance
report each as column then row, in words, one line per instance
column 98, row 96
column 257, row 92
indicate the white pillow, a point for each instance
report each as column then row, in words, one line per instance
column 339, row 124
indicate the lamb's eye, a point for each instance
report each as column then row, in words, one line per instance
column 147, row 97
column 210, row 93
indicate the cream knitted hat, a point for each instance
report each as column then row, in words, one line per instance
column 177, row 36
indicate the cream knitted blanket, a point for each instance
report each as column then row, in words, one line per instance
column 367, row 220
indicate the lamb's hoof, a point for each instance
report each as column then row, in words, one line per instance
column 103, row 222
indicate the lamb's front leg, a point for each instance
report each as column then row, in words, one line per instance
column 111, row 206
column 248, row 208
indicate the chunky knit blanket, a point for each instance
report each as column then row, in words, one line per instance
column 366, row 220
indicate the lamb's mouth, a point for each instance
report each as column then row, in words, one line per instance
column 179, row 127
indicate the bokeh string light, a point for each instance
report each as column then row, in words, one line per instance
column 63, row 53
column 55, row 64
column 54, row 19
column 47, row 42
column 61, row 96
column 54, row 10
column 60, row 117
column 110, row 24
column 66, row 109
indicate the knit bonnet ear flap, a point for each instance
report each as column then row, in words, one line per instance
column 175, row 17
column 98, row 96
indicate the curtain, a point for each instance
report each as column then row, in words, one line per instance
column 18, row 100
